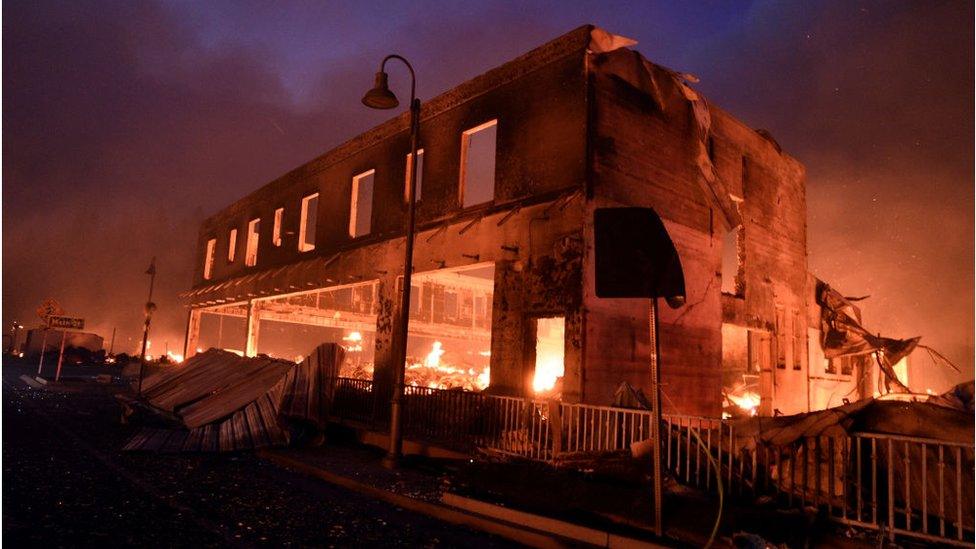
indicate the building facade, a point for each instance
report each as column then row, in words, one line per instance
column 514, row 164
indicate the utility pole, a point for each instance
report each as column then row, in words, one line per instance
column 150, row 307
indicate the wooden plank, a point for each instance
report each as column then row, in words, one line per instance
column 220, row 378
column 137, row 440
column 174, row 443
column 156, row 440
column 226, row 437
column 256, row 426
column 192, row 378
column 211, row 438
column 242, row 433
column 233, row 396
column 202, row 379
column 162, row 382
column 269, row 416
column 193, row 440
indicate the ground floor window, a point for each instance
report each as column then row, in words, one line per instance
column 291, row 326
column 449, row 338
column 550, row 344
column 223, row 327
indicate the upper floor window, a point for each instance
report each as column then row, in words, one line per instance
column 306, row 232
column 478, row 164
column 232, row 245
column 733, row 266
column 420, row 176
column 276, row 230
column 251, row 250
column 781, row 338
column 208, row 260
column 361, row 204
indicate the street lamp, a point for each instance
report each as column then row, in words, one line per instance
column 150, row 307
column 380, row 97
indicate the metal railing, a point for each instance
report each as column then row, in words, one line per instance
column 921, row 488
column 353, row 399
column 914, row 487
column 589, row 429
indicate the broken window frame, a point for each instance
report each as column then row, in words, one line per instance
column 847, row 366
column 830, row 367
column 232, row 245
column 420, row 177
column 466, row 137
column 304, row 244
column 251, row 242
column 799, row 341
column 781, row 331
column 208, row 258
column 357, row 211
column 279, row 215
column 842, row 366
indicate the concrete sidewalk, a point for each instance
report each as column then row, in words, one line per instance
column 436, row 488
column 425, row 486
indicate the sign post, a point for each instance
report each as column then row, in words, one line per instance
column 40, row 363
column 57, row 373
column 635, row 257
column 150, row 307
column 66, row 323
column 48, row 308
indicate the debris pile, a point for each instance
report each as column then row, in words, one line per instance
column 220, row 401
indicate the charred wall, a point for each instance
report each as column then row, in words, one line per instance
column 538, row 101
column 643, row 150
column 531, row 231
column 772, row 305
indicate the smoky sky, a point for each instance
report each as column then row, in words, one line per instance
column 126, row 123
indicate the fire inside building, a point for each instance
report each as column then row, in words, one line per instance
column 511, row 167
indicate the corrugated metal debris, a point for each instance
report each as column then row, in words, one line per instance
column 227, row 402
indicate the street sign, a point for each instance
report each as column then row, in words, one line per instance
column 67, row 322
column 635, row 257
column 50, row 307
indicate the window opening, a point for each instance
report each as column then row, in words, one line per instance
column 449, row 342
column 276, row 229
column 550, row 337
column 361, row 204
column 420, row 177
column 733, row 272
column 306, row 232
column 209, row 259
column 780, row 339
column 478, row 164
column 232, row 245
column 251, row 252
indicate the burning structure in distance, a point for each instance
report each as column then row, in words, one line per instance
column 512, row 167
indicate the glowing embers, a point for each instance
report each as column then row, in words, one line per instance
column 450, row 328
column 294, row 324
column 549, row 355
column 741, row 400
column 437, row 373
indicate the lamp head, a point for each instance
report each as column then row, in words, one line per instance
column 380, row 97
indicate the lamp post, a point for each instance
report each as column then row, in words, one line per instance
column 380, row 97
column 150, row 307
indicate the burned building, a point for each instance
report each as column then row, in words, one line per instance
column 513, row 164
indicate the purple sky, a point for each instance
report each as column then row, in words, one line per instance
column 126, row 123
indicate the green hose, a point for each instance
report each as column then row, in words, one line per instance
column 718, row 478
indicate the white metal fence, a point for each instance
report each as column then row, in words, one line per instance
column 914, row 487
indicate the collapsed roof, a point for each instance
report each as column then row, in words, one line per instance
column 225, row 402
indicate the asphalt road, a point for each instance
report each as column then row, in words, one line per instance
column 66, row 484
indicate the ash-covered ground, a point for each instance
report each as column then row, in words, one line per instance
column 66, row 483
